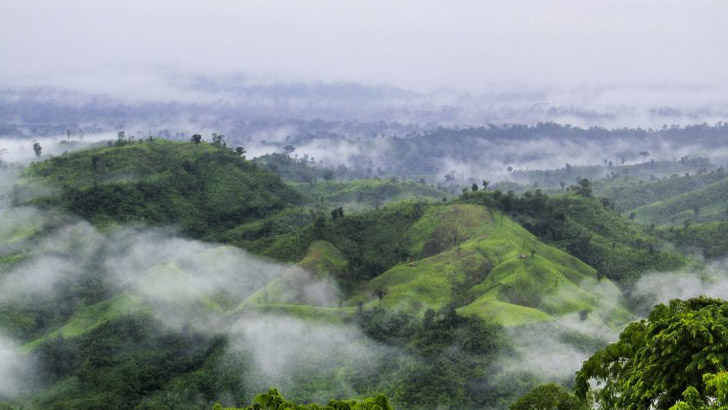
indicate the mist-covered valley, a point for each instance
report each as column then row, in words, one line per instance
column 363, row 205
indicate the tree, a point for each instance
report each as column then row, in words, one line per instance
column 474, row 187
column 197, row 138
column 240, row 151
column 218, row 139
column 716, row 387
column 485, row 185
column 657, row 360
column 548, row 397
column 583, row 188
column 644, row 155
column 319, row 225
column 381, row 293
column 37, row 149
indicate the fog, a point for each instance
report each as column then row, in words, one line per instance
column 186, row 284
column 711, row 281
column 424, row 62
column 411, row 44
column 16, row 368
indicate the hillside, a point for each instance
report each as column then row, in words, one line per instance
column 587, row 228
column 460, row 255
column 629, row 192
column 203, row 189
column 703, row 204
column 414, row 298
column 364, row 194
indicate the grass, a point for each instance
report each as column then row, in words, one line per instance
column 492, row 273
column 363, row 194
column 313, row 283
column 93, row 316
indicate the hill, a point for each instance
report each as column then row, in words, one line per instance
column 587, row 228
column 447, row 255
column 628, row 192
column 410, row 299
column 703, row 204
column 364, row 194
column 204, row 189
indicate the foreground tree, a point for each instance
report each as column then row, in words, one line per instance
column 273, row 400
column 675, row 351
column 37, row 149
column 549, row 397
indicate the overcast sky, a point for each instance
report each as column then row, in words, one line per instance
column 420, row 45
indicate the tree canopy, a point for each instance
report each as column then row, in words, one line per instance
column 658, row 359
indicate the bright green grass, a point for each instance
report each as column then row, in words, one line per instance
column 509, row 283
column 333, row 315
column 308, row 282
column 364, row 194
column 95, row 315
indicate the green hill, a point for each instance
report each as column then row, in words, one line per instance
column 456, row 254
column 204, row 189
column 628, row 192
column 366, row 194
column 587, row 228
column 704, row 204
column 490, row 267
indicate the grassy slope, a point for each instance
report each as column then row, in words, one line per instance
column 312, row 284
column 462, row 254
column 629, row 192
column 710, row 202
column 366, row 193
column 487, row 271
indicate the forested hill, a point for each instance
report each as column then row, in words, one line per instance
column 201, row 188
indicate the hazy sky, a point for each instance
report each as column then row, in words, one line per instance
column 414, row 44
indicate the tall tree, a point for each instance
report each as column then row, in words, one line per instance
column 37, row 149
column 656, row 360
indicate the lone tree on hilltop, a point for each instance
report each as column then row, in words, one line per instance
column 197, row 138
column 381, row 293
column 37, row 149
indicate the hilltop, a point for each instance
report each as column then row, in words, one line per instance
column 203, row 189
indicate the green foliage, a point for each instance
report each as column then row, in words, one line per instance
column 449, row 358
column 303, row 169
column 716, row 394
column 372, row 242
column 705, row 203
column 657, row 359
column 366, row 193
column 205, row 189
column 549, row 397
column 709, row 238
column 630, row 191
column 131, row 362
column 587, row 229
column 273, row 400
